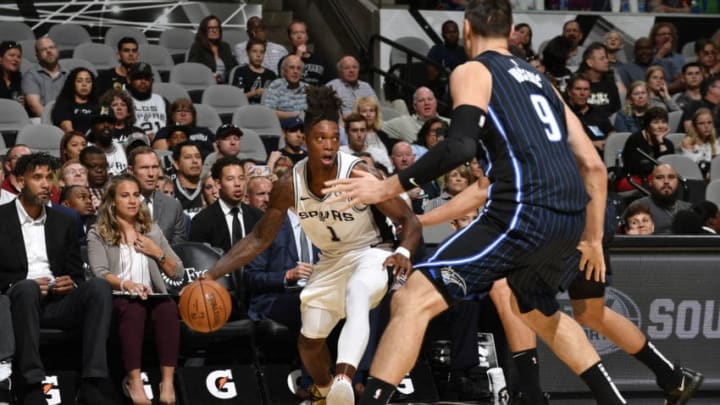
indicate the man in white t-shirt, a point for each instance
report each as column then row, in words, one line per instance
column 150, row 108
column 100, row 135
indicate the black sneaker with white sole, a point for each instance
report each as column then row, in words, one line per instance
column 691, row 381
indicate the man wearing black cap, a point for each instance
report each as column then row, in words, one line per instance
column 227, row 142
column 102, row 122
column 294, row 135
column 150, row 108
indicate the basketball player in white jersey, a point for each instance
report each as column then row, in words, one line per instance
column 351, row 276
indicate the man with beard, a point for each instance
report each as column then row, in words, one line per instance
column 187, row 161
column 150, row 108
column 42, row 83
column 663, row 200
column 100, row 135
column 572, row 31
column 116, row 78
column 96, row 164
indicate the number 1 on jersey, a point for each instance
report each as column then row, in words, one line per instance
column 544, row 112
column 334, row 236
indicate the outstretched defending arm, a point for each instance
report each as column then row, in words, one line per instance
column 262, row 234
column 471, row 87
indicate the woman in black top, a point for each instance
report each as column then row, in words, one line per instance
column 651, row 140
column 10, row 59
column 74, row 105
column 210, row 50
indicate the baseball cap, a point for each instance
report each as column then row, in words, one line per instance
column 227, row 130
column 102, row 113
column 140, row 69
column 137, row 137
column 291, row 123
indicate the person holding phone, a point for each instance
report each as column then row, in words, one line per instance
column 129, row 251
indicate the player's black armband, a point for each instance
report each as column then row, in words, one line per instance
column 456, row 149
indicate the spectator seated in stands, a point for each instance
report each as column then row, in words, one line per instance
column 348, row 86
column 150, row 108
column 615, row 52
column 210, row 50
column 70, row 146
column 710, row 215
column 638, row 220
column 554, row 57
column 710, row 91
column 356, row 130
column 692, row 77
column 663, row 201
column 95, row 161
column 456, row 180
column 403, row 156
column 406, row 127
column 209, row 190
column 76, row 102
column 11, row 183
column 129, row 251
column 294, row 134
column 128, row 53
column 72, row 173
column 450, row 53
column 188, row 162
column 78, row 198
column 272, row 51
column 314, row 71
column 43, row 82
column 595, row 67
column 253, row 76
column 520, row 40
column 701, row 144
column 101, row 124
column 630, row 118
column 572, row 32
column 369, row 108
column 658, row 90
column 665, row 42
column 286, row 95
column 227, row 143
column 634, row 71
column 124, row 112
column 46, row 287
column 706, row 52
column 432, row 132
column 227, row 220
column 651, row 140
column 595, row 120
column 165, row 211
column 10, row 60
column 182, row 113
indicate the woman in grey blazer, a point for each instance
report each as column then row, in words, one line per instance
column 127, row 249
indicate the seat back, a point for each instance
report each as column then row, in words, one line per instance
column 46, row 117
column 176, row 40
column 715, row 168
column 157, row 56
column 170, row 91
column 712, row 192
column 28, row 47
column 259, row 118
column 114, row 34
column 192, row 76
column 13, row 116
column 614, row 145
column 41, row 138
column 99, row 55
column 234, row 37
column 68, row 35
column 206, row 116
column 16, row 31
column 226, row 99
column 72, row 63
column 252, row 146
column 683, row 165
column 197, row 259
column 674, row 120
column 676, row 138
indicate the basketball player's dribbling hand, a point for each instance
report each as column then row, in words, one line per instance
column 400, row 264
column 592, row 261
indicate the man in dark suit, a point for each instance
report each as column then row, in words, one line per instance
column 43, row 277
column 227, row 220
column 144, row 164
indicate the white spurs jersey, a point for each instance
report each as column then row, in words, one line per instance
column 332, row 231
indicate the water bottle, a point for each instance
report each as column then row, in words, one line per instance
column 619, row 159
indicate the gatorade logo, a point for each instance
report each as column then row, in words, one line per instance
column 406, row 385
column 51, row 390
column 146, row 385
column 220, row 384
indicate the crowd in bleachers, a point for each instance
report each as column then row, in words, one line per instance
column 194, row 157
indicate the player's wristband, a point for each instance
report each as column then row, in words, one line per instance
column 402, row 251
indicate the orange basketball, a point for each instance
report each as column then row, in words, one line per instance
column 205, row 306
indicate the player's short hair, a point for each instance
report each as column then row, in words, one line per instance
column 489, row 18
column 323, row 104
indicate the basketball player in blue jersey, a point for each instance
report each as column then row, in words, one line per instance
column 543, row 217
column 351, row 277
column 587, row 297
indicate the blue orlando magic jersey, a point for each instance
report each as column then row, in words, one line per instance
column 525, row 139
column 332, row 231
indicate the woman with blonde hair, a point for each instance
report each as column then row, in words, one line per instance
column 658, row 93
column 455, row 181
column 701, row 144
column 369, row 108
column 629, row 119
column 128, row 249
